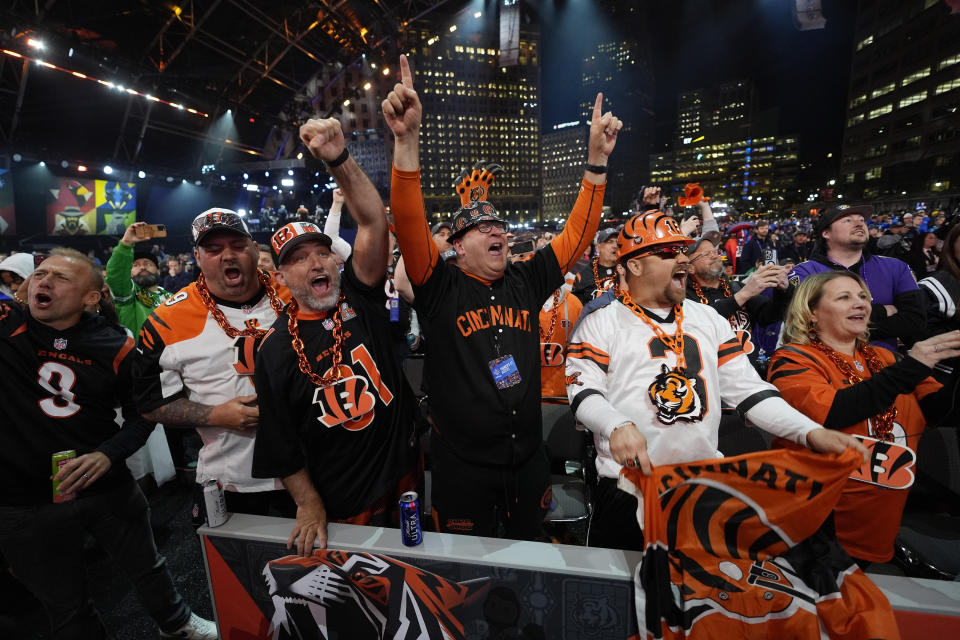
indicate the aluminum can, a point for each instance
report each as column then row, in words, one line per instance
column 57, row 461
column 411, row 533
column 209, row 507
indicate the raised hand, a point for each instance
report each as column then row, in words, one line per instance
column 603, row 133
column 402, row 109
column 323, row 138
column 338, row 198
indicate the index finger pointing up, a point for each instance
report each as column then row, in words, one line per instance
column 405, row 76
column 597, row 107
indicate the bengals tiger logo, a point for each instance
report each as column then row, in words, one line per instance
column 674, row 397
column 337, row 594
column 573, row 378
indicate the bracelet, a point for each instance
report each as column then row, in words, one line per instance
column 339, row 160
column 596, row 168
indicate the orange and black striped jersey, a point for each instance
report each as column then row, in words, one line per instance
column 867, row 516
column 739, row 548
column 553, row 351
column 186, row 354
column 353, row 436
column 471, row 326
column 60, row 391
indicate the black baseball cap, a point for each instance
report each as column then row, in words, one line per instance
column 605, row 234
column 473, row 213
column 832, row 215
column 293, row 233
column 217, row 219
column 141, row 253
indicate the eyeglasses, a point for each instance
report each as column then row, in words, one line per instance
column 487, row 227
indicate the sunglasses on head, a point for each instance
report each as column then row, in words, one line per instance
column 668, row 252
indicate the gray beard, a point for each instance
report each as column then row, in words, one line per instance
column 146, row 280
column 306, row 298
column 711, row 275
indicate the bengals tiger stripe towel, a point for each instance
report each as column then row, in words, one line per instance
column 742, row 547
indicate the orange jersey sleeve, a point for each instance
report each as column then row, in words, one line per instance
column 420, row 253
column 580, row 227
column 803, row 382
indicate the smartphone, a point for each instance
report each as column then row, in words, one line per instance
column 152, row 231
column 769, row 256
column 522, row 247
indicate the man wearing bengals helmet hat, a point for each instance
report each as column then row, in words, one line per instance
column 647, row 371
column 336, row 412
column 481, row 329
column 197, row 369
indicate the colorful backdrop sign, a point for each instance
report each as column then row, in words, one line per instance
column 89, row 207
column 8, row 223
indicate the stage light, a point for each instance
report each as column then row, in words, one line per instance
column 81, row 168
column 366, row 86
column 241, row 212
column 169, row 178
column 42, row 163
column 229, row 111
column 300, row 156
column 253, row 187
column 196, row 182
column 266, row 174
column 289, row 172
column 287, row 182
column 183, row 181
column 70, row 53
column 141, row 174
column 477, row 14
column 107, row 169
column 17, row 157
column 453, row 28
column 223, row 178
column 36, row 44
column 252, row 119
column 246, row 175
column 346, row 102
column 386, row 71
column 64, row 164
column 373, row 65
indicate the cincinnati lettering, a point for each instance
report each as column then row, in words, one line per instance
column 766, row 473
column 59, row 355
column 493, row 316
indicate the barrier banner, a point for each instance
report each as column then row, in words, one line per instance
column 261, row 591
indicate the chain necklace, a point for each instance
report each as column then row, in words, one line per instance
column 337, row 356
column 883, row 421
column 232, row 332
column 554, row 312
column 675, row 343
column 596, row 273
column 724, row 286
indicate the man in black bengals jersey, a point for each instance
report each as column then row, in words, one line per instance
column 64, row 371
column 336, row 412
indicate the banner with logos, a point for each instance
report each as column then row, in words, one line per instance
column 90, row 207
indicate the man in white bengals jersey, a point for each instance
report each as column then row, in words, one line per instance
column 646, row 373
column 197, row 369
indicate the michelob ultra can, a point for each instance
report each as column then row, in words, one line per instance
column 411, row 533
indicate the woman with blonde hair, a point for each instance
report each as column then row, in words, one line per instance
column 827, row 370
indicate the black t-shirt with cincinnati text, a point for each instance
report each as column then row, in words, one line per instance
column 468, row 324
column 60, row 390
column 352, row 437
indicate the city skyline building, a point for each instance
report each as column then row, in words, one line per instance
column 563, row 153
column 902, row 132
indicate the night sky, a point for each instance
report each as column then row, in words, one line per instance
column 700, row 43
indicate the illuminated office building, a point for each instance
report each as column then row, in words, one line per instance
column 563, row 154
column 902, row 134
column 475, row 110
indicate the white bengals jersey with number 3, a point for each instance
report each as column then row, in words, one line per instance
column 619, row 371
column 187, row 354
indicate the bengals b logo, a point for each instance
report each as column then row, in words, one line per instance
column 890, row 465
column 674, row 397
column 346, row 402
column 551, row 354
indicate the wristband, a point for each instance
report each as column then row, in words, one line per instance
column 596, row 168
column 339, row 160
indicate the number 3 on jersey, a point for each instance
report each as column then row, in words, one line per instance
column 349, row 402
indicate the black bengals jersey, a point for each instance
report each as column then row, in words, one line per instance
column 585, row 286
column 60, row 392
column 470, row 323
column 353, row 437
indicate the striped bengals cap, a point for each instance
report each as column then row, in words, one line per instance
column 293, row 233
column 648, row 230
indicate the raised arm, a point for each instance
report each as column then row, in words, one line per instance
column 583, row 221
column 324, row 140
column 403, row 113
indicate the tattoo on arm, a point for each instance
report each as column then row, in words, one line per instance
column 181, row 413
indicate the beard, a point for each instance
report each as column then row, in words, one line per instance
column 710, row 273
column 673, row 295
column 146, row 279
column 307, row 298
